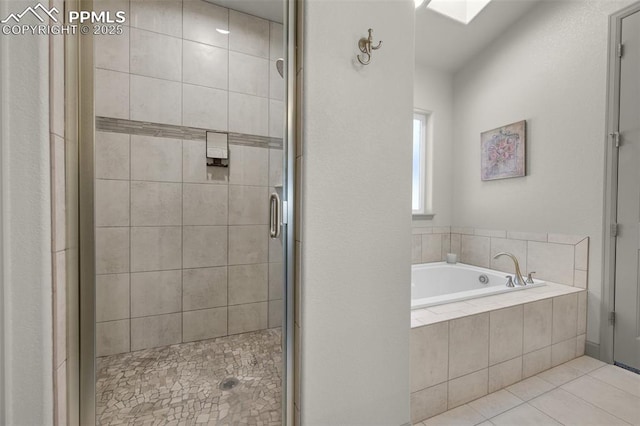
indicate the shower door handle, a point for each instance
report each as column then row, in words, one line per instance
column 275, row 216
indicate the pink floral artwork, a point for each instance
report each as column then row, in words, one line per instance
column 502, row 151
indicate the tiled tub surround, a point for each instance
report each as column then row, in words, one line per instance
column 182, row 249
column 430, row 244
column 465, row 350
column 559, row 258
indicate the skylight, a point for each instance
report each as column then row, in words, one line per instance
column 461, row 10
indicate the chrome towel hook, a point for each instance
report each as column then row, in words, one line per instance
column 365, row 45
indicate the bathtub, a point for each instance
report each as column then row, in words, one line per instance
column 438, row 283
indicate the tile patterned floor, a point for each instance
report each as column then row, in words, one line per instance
column 584, row 391
column 178, row 384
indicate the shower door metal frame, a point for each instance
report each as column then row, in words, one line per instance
column 86, row 151
column 289, row 158
column 86, row 219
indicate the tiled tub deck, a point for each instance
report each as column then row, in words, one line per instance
column 464, row 350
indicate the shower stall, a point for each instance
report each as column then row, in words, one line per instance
column 185, row 308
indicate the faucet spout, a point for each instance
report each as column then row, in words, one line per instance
column 518, row 279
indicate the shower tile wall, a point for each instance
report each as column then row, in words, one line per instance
column 173, row 66
column 183, row 252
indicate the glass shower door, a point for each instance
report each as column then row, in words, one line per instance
column 189, row 276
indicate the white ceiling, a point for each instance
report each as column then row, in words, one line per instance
column 272, row 10
column 446, row 44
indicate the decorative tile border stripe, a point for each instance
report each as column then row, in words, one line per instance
column 254, row 140
column 132, row 127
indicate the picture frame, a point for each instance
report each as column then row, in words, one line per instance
column 503, row 152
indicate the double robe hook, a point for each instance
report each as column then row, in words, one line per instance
column 365, row 45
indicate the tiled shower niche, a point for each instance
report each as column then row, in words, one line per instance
column 183, row 250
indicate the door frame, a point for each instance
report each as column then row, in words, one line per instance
column 86, row 328
column 611, row 186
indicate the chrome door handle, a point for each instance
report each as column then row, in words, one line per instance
column 275, row 216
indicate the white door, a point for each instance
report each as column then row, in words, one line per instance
column 627, row 288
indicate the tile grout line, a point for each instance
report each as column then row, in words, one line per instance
column 573, row 266
column 522, row 347
column 607, row 383
column 553, row 305
column 448, row 360
column 178, row 183
column 198, row 41
column 527, row 404
column 555, row 387
column 548, row 382
column 488, row 347
column 586, row 401
column 191, row 310
column 490, row 263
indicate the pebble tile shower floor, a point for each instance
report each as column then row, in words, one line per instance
column 179, row 384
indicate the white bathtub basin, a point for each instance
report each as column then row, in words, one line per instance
column 438, row 283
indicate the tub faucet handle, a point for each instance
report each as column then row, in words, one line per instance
column 509, row 281
column 530, row 277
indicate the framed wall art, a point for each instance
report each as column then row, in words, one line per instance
column 503, row 151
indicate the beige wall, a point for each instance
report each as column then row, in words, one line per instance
column 356, row 216
column 550, row 69
column 556, row 80
column 26, row 297
column 433, row 92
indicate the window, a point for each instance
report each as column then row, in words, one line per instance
column 419, row 127
column 421, row 195
column 461, row 11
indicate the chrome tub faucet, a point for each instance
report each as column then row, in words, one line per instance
column 518, row 279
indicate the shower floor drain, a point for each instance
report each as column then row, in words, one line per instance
column 229, row 383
